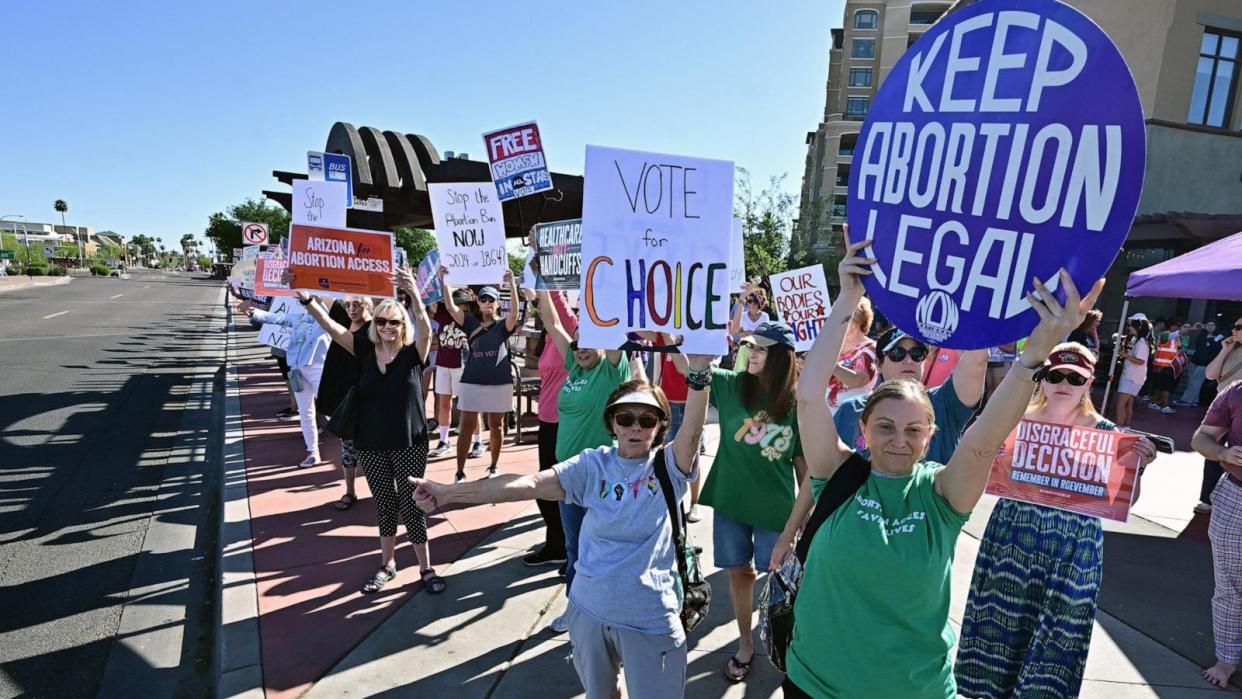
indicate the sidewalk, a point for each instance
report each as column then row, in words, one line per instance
column 486, row 636
column 21, row 281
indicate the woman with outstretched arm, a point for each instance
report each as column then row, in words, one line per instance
column 873, row 606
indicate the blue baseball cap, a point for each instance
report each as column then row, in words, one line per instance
column 897, row 335
column 489, row 291
column 771, row 333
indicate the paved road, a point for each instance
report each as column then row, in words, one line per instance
column 106, row 509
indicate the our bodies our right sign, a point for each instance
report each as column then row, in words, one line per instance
column 1008, row 142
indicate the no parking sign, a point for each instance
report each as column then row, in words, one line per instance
column 1006, row 143
column 254, row 233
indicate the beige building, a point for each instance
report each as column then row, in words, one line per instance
column 1185, row 56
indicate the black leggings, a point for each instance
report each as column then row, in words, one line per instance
column 554, row 537
column 792, row 691
column 388, row 475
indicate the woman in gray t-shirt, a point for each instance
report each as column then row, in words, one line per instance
column 624, row 601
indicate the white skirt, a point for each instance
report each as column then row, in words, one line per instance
column 477, row 398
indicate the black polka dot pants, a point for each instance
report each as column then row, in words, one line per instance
column 387, row 474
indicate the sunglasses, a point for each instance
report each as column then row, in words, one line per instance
column 1237, row 327
column 916, row 353
column 385, row 322
column 486, row 299
column 1074, row 378
column 646, row 420
column 355, row 304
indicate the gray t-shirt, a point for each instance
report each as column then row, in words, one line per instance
column 625, row 570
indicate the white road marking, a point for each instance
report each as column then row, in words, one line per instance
column 53, row 315
column 117, row 296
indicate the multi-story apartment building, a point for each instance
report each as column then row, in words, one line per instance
column 1185, row 56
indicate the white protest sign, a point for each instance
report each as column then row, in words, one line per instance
column 470, row 231
column 320, row 203
column 655, row 252
column 274, row 335
column 737, row 258
column 801, row 298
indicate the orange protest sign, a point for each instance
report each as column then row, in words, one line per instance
column 267, row 275
column 1080, row 469
column 341, row 261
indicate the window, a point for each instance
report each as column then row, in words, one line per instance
column 856, row 107
column 863, row 48
column 846, row 149
column 1215, row 79
column 866, row 19
column 860, row 77
column 917, row 17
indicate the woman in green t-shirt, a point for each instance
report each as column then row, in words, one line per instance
column 873, row 605
column 751, row 483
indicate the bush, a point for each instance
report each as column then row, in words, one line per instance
column 57, row 271
column 101, row 270
column 36, row 271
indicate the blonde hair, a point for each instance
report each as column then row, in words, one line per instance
column 405, row 337
column 863, row 315
column 1087, row 406
column 899, row 389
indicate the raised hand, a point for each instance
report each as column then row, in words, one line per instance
column 852, row 268
column 1057, row 320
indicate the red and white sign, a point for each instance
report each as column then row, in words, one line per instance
column 517, row 162
column 801, row 298
column 1080, row 469
column 254, row 233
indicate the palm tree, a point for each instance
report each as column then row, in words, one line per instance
column 63, row 207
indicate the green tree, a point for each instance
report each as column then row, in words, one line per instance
column 146, row 244
column 416, row 242
column 517, row 263
column 767, row 221
column 224, row 227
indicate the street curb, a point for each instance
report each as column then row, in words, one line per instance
column 57, row 281
column 238, row 664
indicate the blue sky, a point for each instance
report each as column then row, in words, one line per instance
column 147, row 117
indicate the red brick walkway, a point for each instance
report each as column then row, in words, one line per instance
column 310, row 559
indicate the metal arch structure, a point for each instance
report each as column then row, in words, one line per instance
column 397, row 167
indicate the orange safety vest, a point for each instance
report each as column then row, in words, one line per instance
column 1166, row 352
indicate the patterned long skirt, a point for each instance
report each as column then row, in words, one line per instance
column 1032, row 603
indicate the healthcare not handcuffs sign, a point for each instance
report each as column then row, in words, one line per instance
column 1006, row 143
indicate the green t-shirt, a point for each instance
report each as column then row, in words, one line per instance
column 752, row 478
column 873, row 607
column 580, row 405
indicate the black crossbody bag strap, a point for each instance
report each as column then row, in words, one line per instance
column 674, row 511
column 850, row 476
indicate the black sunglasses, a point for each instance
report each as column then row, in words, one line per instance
column 645, row 421
column 1237, row 327
column 1074, row 378
column 917, row 353
column 384, row 322
column 486, row 299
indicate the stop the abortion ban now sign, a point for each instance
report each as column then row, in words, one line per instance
column 1008, row 142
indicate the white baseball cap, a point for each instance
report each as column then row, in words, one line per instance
column 1139, row 316
column 637, row 397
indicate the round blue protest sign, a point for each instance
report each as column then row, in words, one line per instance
column 1006, row 143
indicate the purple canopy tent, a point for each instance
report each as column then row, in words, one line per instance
column 1211, row 272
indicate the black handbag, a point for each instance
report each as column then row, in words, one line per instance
column 776, row 608
column 694, row 591
column 344, row 420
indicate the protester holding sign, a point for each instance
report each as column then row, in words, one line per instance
column 449, row 367
column 1224, row 422
column 751, row 483
column 340, row 373
column 873, row 606
column 391, row 430
column 487, row 379
column 749, row 314
column 855, row 372
column 624, row 609
column 1032, row 599
column 1134, row 352
column 306, row 353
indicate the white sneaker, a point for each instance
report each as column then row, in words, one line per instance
column 1203, row 508
column 693, row 514
column 1168, row 411
column 1154, row 405
column 309, row 461
column 559, row 625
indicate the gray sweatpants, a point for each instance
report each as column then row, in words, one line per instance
column 655, row 666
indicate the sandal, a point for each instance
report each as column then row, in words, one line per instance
column 347, row 501
column 736, row 670
column 434, row 583
column 379, row 580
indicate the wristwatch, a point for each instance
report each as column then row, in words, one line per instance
column 307, row 302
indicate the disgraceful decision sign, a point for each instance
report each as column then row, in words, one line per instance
column 341, row 261
column 268, row 271
column 470, row 232
column 559, row 247
column 655, row 248
column 801, row 298
column 518, row 165
column 1006, row 143
column 1080, row 469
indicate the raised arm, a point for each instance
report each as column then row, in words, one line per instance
column 513, row 317
column 1217, row 365
column 450, row 305
column 821, row 446
column 963, row 479
column 969, row 376
column 340, row 334
column 552, row 323
column 510, row 487
column 422, row 324
column 686, row 444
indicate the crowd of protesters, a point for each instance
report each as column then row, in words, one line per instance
column 919, row 425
